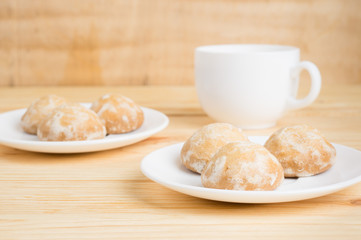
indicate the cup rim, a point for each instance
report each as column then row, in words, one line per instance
column 246, row 49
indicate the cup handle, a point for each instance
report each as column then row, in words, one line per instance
column 315, row 75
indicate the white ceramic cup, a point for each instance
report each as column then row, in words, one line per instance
column 251, row 85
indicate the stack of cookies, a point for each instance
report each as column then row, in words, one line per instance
column 52, row 118
column 226, row 159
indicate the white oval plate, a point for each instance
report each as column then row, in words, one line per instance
column 12, row 135
column 164, row 167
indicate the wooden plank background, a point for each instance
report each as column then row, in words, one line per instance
column 151, row 42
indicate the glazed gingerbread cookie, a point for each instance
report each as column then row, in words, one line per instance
column 243, row 166
column 205, row 142
column 72, row 122
column 38, row 110
column 118, row 113
column 301, row 150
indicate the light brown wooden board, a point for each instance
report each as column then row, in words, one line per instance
column 104, row 195
column 152, row 42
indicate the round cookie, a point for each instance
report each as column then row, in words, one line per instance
column 301, row 150
column 38, row 110
column 205, row 142
column 118, row 113
column 243, row 166
column 72, row 122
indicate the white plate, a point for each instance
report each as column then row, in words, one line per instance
column 164, row 167
column 12, row 135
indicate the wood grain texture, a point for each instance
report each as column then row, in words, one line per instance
column 120, row 42
column 104, row 195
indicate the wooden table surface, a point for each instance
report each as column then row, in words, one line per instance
column 104, row 195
